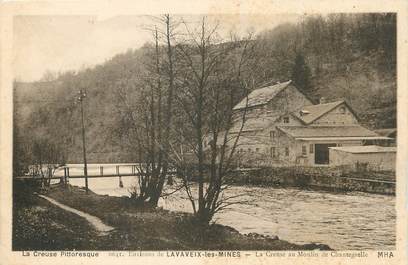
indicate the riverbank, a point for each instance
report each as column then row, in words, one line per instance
column 40, row 225
column 323, row 178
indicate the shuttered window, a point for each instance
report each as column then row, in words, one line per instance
column 273, row 151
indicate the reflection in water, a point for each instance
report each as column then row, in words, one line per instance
column 355, row 220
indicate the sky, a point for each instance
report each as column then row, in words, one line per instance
column 62, row 43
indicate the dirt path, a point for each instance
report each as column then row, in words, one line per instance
column 102, row 228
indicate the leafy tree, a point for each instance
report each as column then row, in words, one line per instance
column 21, row 153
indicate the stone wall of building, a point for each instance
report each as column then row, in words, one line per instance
column 309, row 158
column 339, row 116
column 287, row 101
column 258, row 143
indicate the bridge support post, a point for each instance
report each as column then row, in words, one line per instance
column 120, row 182
column 120, row 177
column 49, row 176
column 65, row 176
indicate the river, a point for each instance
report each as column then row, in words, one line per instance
column 344, row 221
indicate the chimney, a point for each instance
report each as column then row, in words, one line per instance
column 303, row 113
column 322, row 100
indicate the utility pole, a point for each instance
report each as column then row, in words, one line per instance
column 81, row 96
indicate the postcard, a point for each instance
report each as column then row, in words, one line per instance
column 213, row 132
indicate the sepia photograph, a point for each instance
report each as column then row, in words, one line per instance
column 205, row 132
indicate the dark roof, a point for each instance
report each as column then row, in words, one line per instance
column 316, row 111
column 327, row 131
column 261, row 96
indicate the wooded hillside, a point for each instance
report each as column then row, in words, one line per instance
column 334, row 56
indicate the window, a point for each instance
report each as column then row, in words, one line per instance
column 273, row 151
column 342, row 110
column 304, row 150
column 286, row 151
column 249, row 150
column 339, row 145
column 272, row 133
column 286, row 119
column 257, row 150
column 311, row 148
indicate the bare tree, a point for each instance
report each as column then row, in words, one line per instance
column 49, row 76
column 205, row 76
column 153, row 113
column 46, row 157
column 211, row 82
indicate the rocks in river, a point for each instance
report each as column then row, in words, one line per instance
column 225, row 228
column 314, row 246
column 311, row 246
column 231, row 229
column 260, row 236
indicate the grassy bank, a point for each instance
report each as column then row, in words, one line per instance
column 136, row 228
column 39, row 225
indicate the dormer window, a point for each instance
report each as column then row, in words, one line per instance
column 286, row 119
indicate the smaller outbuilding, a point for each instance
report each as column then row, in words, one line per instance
column 371, row 157
column 390, row 133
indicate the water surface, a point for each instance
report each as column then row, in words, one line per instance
column 344, row 221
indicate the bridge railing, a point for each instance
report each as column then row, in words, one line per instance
column 99, row 171
column 96, row 171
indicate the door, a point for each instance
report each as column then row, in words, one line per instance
column 322, row 153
